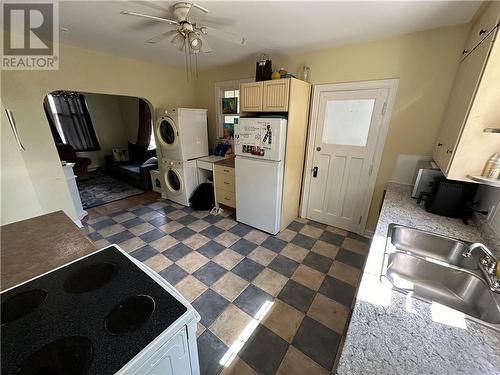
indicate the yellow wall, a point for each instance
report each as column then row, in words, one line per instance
column 425, row 62
column 80, row 70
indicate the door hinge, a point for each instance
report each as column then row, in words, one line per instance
column 384, row 107
column 370, row 170
column 359, row 222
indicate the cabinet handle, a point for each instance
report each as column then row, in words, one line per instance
column 465, row 51
column 449, row 151
column 440, row 144
column 483, row 31
column 315, row 172
column 227, row 199
column 226, row 183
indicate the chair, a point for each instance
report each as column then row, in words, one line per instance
column 68, row 154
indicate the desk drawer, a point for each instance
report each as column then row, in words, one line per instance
column 224, row 182
column 224, row 170
column 226, row 197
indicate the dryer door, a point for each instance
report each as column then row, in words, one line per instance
column 173, row 181
column 167, row 133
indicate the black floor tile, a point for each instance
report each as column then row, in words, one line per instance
column 159, row 221
column 264, row 351
column 95, row 236
column 247, row 269
column 283, row 265
column 142, row 210
column 356, row 236
column 351, row 258
column 274, row 244
column 120, row 237
column 333, row 238
column 304, row 241
column 317, row 225
column 297, row 295
column 173, row 274
column 183, row 233
column 317, row 341
column 212, row 219
column 209, row 305
column 318, row 262
column 243, row 247
column 144, row 253
column 103, row 224
column 337, row 290
column 210, row 273
column 211, row 249
column 132, row 222
column 212, row 231
column 210, row 352
column 177, row 252
column 295, row 226
column 152, row 235
column 167, row 210
column 240, row 229
column 252, row 299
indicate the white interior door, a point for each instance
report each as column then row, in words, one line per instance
column 346, row 127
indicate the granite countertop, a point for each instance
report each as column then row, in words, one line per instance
column 391, row 333
column 34, row 246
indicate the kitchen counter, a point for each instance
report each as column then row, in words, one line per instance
column 392, row 333
column 34, row 246
column 229, row 162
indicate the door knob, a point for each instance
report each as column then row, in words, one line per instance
column 449, row 151
column 440, row 144
column 315, row 172
column 482, row 31
column 465, row 51
column 318, row 148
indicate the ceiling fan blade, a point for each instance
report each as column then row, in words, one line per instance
column 160, row 37
column 205, row 47
column 160, row 19
column 217, row 33
column 179, row 41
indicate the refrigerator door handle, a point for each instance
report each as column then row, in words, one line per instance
column 315, row 172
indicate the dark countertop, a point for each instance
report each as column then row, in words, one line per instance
column 34, row 246
column 226, row 163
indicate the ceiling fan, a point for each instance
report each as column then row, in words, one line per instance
column 188, row 35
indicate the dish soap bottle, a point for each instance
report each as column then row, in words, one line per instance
column 492, row 167
column 275, row 75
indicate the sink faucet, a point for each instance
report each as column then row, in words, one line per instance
column 488, row 264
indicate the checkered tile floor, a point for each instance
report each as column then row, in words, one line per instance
column 268, row 304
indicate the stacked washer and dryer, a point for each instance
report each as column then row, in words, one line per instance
column 182, row 137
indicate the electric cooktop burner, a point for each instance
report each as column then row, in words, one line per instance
column 68, row 355
column 91, row 316
column 90, row 278
column 129, row 314
column 22, row 304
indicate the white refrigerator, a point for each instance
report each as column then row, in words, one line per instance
column 260, row 156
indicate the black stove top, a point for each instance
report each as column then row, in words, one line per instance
column 89, row 317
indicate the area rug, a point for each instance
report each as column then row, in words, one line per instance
column 100, row 189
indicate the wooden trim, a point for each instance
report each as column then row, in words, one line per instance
column 298, row 115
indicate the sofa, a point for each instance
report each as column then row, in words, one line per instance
column 133, row 172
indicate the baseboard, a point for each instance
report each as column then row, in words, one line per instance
column 369, row 233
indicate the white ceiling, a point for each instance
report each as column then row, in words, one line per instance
column 275, row 27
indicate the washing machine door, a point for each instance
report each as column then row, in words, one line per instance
column 173, row 181
column 167, row 132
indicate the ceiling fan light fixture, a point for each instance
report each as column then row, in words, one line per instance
column 194, row 42
column 179, row 41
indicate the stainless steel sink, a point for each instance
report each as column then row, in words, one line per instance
column 433, row 268
column 425, row 244
column 462, row 291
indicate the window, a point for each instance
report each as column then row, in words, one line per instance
column 227, row 104
column 70, row 120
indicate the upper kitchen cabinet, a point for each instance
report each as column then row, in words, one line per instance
column 251, row 97
column 463, row 144
column 483, row 26
column 265, row 96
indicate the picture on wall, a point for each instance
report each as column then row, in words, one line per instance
column 229, row 106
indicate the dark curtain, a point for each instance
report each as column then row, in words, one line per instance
column 73, row 115
column 145, row 124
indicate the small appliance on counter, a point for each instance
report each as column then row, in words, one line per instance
column 105, row 313
column 450, row 198
column 425, row 174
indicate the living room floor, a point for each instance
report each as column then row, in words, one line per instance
column 268, row 304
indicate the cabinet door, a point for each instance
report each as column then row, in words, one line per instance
column 251, row 97
column 483, row 26
column 276, row 95
column 461, row 97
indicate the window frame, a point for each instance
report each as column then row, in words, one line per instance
column 220, row 87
